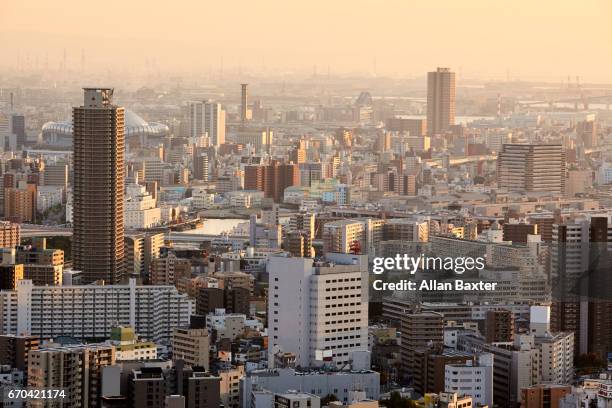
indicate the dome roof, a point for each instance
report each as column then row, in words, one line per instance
column 133, row 120
column 134, row 126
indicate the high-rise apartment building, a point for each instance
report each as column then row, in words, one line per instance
column 196, row 120
column 191, row 346
column 56, row 175
column 207, row 119
column 318, row 311
column 14, row 350
column 41, row 265
column 10, row 275
column 359, row 236
column 18, row 129
column 134, row 256
column 214, row 123
column 419, row 331
column 92, row 311
column 10, row 234
column 99, row 149
column 499, row 326
column 440, row 100
column 259, row 139
column 201, row 164
column 20, row 202
column 517, row 232
column 272, row 179
column 76, row 369
column 413, row 126
column 580, row 260
column 532, row 168
column 243, row 102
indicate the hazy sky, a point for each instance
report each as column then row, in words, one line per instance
column 532, row 39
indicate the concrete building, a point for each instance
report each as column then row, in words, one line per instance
column 419, row 331
column 10, row 275
column 153, row 243
column 20, row 203
column 141, row 211
column 342, row 384
column 412, row 126
column 578, row 182
column 192, row 346
column 128, row 347
column 454, row 400
column 134, row 256
column 499, row 326
column 440, row 100
column 260, row 140
column 230, row 385
column 295, row 399
column 272, row 179
column 169, row 270
column 318, row 310
column 90, row 312
column 98, row 213
column 532, row 168
column 359, row 236
column 41, row 265
column 158, row 386
column 406, row 230
column 10, row 234
column 214, row 123
column 474, row 380
column 429, row 365
column 56, row 175
column 15, row 349
column 515, row 366
column 544, row 395
column 76, row 369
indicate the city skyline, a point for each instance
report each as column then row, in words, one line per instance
column 365, row 204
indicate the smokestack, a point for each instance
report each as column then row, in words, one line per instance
column 244, row 100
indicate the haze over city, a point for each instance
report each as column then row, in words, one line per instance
column 528, row 40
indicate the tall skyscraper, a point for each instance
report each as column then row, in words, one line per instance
column 207, row 119
column 18, row 129
column 214, row 123
column 532, row 167
column 99, row 149
column 196, row 119
column 580, row 259
column 243, row 102
column 440, row 100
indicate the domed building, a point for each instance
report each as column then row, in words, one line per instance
column 60, row 133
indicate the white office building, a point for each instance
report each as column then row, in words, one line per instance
column 318, row 310
column 475, row 380
column 141, row 209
